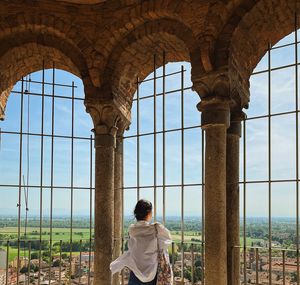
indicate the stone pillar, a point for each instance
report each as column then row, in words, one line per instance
column 215, row 121
column 104, row 203
column 232, row 198
column 118, row 210
column 106, row 119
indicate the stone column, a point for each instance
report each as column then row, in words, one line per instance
column 105, row 117
column 104, row 203
column 215, row 121
column 118, row 210
column 232, row 198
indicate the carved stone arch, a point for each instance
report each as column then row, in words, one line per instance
column 38, row 23
column 136, row 15
column 25, row 53
column 218, row 48
column 223, row 41
column 133, row 56
column 61, row 28
column 266, row 23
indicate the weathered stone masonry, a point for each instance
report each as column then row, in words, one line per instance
column 108, row 44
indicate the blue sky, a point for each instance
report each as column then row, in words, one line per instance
column 282, row 131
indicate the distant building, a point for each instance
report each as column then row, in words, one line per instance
column 2, row 277
column 85, row 256
column 2, row 259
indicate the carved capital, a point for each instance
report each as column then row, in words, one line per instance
column 212, row 84
column 215, row 110
column 223, row 83
column 108, row 121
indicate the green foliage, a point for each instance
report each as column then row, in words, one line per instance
column 294, row 277
column 34, row 255
column 33, row 268
column 56, row 263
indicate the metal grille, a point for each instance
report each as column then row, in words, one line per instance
column 53, row 240
column 270, row 169
column 163, row 163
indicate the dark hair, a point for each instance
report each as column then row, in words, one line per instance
column 142, row 209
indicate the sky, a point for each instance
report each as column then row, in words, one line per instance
column 283, row 145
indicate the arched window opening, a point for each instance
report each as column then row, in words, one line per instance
column 163, row 163
column 46, row 182
column 269, row 172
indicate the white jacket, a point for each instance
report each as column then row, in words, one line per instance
column 141, row 257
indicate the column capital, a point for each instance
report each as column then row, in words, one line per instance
column 236, row 117
column 108, row 119
column 215, row 110
column 224, row 82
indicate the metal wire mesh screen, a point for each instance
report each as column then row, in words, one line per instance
column 46, row 183
column 163, row 163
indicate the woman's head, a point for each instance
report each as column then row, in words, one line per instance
column 143, row 210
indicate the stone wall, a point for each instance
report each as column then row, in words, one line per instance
column 109, row 43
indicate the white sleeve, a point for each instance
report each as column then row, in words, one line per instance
column 164, row 234
column 130, row 239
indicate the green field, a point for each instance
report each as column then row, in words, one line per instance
column 84, row 234
column 33, row 234
column 63, row 234
column 249, row 241
column 188, row 236
column 13, row 253
column 57, row 233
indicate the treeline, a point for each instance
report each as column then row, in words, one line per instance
column 83, row 223
column 173, row 224
column 44, row 245
column 283, row 233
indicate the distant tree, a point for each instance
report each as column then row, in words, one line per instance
column 46, row 254
column 294, row 276
column 24, row 269
column 187, row 273
column 173, row 256
column 198, row 263
column 34, row 255
column 33, row 268
column 56, row 263
column 198, row 274
column 64, row 256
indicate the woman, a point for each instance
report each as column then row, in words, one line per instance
column 141, row 257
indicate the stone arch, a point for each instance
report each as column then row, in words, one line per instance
column 236, row 45
column 136, row 15
column 261, row 32
column 223, row 40
column 220, row 22
column 247, row 33
column 66, row 31
column 38, row 23
column 133, row 56
column 21, row 54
